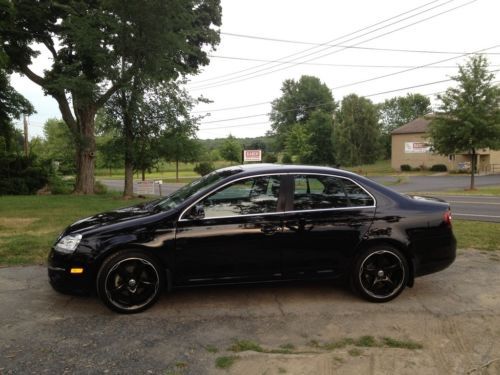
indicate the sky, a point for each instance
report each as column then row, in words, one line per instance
column 310, row 38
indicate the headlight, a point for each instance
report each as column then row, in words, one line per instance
column 68, row 244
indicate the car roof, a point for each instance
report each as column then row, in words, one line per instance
column 284, row 168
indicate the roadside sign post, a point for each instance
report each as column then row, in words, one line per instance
column 252, row 155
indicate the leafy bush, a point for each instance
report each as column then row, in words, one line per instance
column 100, row 188
column 439, row 168
column 59, row 186
column 287, row 159
column 405, row 167
column 203, row 168
column 21, row 175
column 270, row 158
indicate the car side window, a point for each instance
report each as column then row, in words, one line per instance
column 357, row 196
column 254, row 195
column 313, row 192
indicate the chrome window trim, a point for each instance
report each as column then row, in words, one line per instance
column 181, row 218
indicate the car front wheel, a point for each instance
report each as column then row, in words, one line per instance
column 130, row 281
column 380, row 273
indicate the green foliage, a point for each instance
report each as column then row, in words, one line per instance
column 297, row 103
column 204, row 168
column 469, row 114
column 404, row 344
column 58, row 147
column 287, row 159
column 399, row 111
column 99, row 47
column 231, row 149
column 225, row 362
column 357, row 131
column 405, row 167
column 243, row 345
column 57, row 185
column 320, row 139
column 20, row 175
column 100, row 188
column 12, row 105
column 439, row 168
column 270, row 158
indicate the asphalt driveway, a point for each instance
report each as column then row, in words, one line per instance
column 454, row 315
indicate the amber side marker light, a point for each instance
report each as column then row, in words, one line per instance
column 76, row 270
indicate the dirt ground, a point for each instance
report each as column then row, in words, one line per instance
column 454, row 315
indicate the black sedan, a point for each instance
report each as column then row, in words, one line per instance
column 256, row 223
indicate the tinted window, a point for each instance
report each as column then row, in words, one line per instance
column 313, row 192
column 250, row 196
column 357, row 196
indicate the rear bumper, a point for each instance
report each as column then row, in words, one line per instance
column 438, row 258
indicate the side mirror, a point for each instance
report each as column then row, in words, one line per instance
column 197, row 212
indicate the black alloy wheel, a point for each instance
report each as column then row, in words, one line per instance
column 380, row 273
column 130, row 281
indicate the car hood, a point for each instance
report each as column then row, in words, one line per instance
column 109, row 218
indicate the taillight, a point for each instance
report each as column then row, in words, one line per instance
column 447, row 217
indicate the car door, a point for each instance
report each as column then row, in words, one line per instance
column 325, row 221
column 232, row 234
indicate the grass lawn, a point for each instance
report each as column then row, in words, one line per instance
column 30, row 224
column 477, row 235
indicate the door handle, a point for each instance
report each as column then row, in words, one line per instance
column 269, row 230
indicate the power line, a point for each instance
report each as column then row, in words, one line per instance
column 378, row 77
column 411, row 69
column 341, row 65
column 327, row 103
column 266, row 71
column 326, row 43
column 345, row 46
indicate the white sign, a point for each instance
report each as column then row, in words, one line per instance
column 252, row 155
column 416, row 147
column 146, row 187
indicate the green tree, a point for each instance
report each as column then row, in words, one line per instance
column 357, row 131
column 12, row 106
column 58, row 145
column 231, row 149
column 400, row 110
column 299, row 100
column 97, row 47
column 320, row 139
column 297, row 142
column 180, row 145
column 469, row 114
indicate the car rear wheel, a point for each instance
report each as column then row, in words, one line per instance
column 130, row 281
column 380, row 273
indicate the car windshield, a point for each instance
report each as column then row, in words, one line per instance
column 177, row 197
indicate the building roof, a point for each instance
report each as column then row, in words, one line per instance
column 419, row 125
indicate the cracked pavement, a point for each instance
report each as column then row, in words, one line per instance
column 454, row 314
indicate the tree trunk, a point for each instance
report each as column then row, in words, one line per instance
column 128, row 190
column 143, row 174
column 473, row 168
column 177, row 169
column 85, row 150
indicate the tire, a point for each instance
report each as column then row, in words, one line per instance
column 130, row 281
column 380, row 273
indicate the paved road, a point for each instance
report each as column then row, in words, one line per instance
column 454, row 314
column 438, row 183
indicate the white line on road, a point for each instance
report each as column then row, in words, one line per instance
column 470, row 202
column 461, row 214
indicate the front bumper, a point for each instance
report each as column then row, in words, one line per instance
column 61, row 278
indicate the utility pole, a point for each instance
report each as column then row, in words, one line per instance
column 25, row 120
